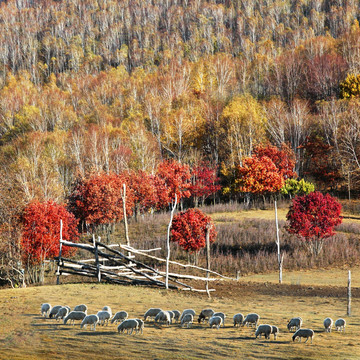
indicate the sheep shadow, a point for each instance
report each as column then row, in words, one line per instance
column 37, row 316
column 96, row 333
column 236, row 338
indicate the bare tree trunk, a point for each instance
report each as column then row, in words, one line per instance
column 59, row 259
column 207, row 259
column 349, row 295
column 97, row 263
column 168, row 243
column 123, row 196
column 280, row 258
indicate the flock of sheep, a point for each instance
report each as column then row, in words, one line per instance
column 215, row 319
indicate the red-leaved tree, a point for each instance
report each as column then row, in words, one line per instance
column 176, row 177
column 96, row 200
column 313, row 217
column 283, row 158
column 188, row 229
column 259, row 176
column 41, row 234
column 204, row 182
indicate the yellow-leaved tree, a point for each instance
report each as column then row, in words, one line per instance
column 350, row 87
column 243, row 121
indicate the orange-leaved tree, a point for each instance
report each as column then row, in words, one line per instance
column 41, row 235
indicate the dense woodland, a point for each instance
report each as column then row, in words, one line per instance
column 89, row 87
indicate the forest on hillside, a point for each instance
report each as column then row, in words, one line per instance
column 111, row 86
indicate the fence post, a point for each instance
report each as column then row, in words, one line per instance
column 207, row 258
column 349, row 295
column 59, row 257
column 98, row 272
column 168, row 243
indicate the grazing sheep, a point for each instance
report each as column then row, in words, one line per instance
column 129, row 324
column 91, row 320
column 108, row 309
column 176, row 315
column 172, row 315
column 151, row 313
column 263, row 329
column 119, row 316
column 81, row 307
column 251, row 319
column 73, row 316
column 328, row 323
column 54, row 311
column 295, row 322
column 63, row 312
column 187, row 311
column 141, row 326
column 215, row 321
column 303, row 333
column 222, row 315
column 340, row 324
column 275, row 331
column 238, row 319
column 163, row 316
column 104, row 316
column 205, row 314
column 45, row 309
column 187, row 319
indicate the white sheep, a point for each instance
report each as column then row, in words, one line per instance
column 141, row 326
column 263, row 329
column 222, row 315
column 73, row 316
column 176, row 315
column 54, row 311
column 108, row 309
column 295, row 322
column 104, row 316
column 187, row 319
column 328, row 323
column 151, row 313
column 251, row 318
column 205, row 314
column 303, row 333
column 81, row 307
column 63, row 312
column 340, row 324
column 129, row 324
column 187, row 311
column 163, row 316
column 91, row 320
column 238, row 319
column 119, row 316
column 275, row 331
column 216, row 321
column 45, row 309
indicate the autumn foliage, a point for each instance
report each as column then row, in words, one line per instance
column 204, row 181
column 41, row 233
column 313, row 218
column 283, row 158
column 188, row 229
column 176, row 177
column 97, row 199
column 259, row 176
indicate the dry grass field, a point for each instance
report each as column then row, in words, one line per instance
column 24, row 334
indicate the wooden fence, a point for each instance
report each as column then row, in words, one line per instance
column 108, row 263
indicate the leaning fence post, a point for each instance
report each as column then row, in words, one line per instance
column 349, row 294
column 59, row 257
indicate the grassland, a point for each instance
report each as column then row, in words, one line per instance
column 24, row 334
